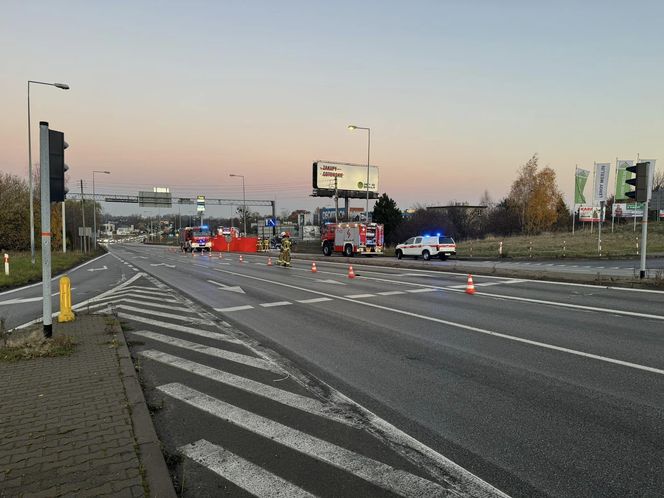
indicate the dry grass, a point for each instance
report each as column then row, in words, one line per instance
column 35, row 345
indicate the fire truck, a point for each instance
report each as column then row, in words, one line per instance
column 196, row 239
column 352, row 238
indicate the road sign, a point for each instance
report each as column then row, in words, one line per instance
column 200, row 203
column 270, row 222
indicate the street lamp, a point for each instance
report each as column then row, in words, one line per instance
column 244, row 204
column 353, row 127
column 94, row 207
column 62, row 86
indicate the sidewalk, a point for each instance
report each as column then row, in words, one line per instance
column 78, row 424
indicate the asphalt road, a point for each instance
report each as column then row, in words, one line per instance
column 537, row 388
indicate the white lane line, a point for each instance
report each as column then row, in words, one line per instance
column 234, row 308
column 148, row 298
column 276, row 303
column 210, row 351
column 142, row 302
column 200, row 266
column 390, row 293
column 183, row 318
column 417, row 291
column 314, row 300
column 359, row 296
column 180, row 328
column 297, row 401
column 254, row 479
column 372, row 471
column 480, row 330
column 154, row 293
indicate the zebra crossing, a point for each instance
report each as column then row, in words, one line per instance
column 244, row 420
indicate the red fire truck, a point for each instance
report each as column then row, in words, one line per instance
column 196, row 239
column 352, row 238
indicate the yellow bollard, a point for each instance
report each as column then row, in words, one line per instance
column 66, row 313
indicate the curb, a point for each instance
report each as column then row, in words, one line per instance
column 156, row 471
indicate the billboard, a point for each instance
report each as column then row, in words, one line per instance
column 589, row 213
column 154, row 199
column 634, row 210
column 345, row 177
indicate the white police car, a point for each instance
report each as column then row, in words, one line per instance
column 427, row 246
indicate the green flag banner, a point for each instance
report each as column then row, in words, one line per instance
column 622, row 175
column 580, row 180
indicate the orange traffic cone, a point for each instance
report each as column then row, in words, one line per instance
column 470, row 288
column 351, row 273
column 313, row 267
column 241, row 259
column 269, row 261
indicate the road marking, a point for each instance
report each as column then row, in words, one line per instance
column 246, row 475
column 100, row 269
column 154, row 293
column 138, row 294
column 484, row 331
column 276, row 303
column 180, row 328
column 329, row 281
column 25, row 300
column 314, row 300
column 231, row 288
column 210, row 351
column 162, row 264
column 234, row 308
column 187, row 317
column 415, row 291
column 143, row 302
column 391, row 293
column 375, row 472
column 303, row 403
column 359, row 296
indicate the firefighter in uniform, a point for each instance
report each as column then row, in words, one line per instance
column 285, row 254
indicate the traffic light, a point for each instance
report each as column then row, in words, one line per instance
column 640, row 181
column 57, row 166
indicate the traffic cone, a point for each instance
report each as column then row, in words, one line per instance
column 351, row 273
column 470, row 288
column 269, row 261
column 313, row 267
column 241, row 259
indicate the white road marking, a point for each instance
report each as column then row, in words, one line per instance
column 210, row 351
column 187, row 317
column 246, row 475
column 25, row 300
column 297, row 401
column 390, row 293
column 99, row 269
column 180, row 328
column 231, row 288
column 329, row 281
column 485, row 331
column 359, row 296
column 415, row 291
column 276, row 303
column 234, row 308
column 314, row 300
column 375, row 472
column 162, row 264
column 143, row 302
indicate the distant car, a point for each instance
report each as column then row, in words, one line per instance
column 427, row 246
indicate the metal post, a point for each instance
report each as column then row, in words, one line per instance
column 64, row 233
column 368, row 163
column 599, row 227
column 244, row 208
column 644, row 240
column 94, row 214
column 44, row 172
column 336, row 200
column 274, row 217
column 83, row 240
column 32, row 208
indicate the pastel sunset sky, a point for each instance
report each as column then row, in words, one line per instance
column 458, row 94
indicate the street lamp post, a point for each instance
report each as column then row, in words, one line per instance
column 244, row 204
column 94, row 207
column 353, row 127
column 62, row 86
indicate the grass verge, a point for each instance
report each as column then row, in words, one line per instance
column 35, row 345
column 22, row 271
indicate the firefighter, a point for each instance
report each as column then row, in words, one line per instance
column 285, row 255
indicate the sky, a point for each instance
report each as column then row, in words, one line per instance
column 458, row 94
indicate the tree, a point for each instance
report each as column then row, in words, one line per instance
column 535, row 197
column 15, row 219
column 386, row 212
column 658, row 180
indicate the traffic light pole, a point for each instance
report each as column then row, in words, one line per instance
column 44, row 172
column 644, row 240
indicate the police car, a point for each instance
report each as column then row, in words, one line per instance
column 427, row 246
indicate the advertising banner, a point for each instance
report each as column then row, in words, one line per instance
column 589, row 213
column 580, row 180
column 347, row 176
column 633, row 210
column 602, row 171
column 622, row 175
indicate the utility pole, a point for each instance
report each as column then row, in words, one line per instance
column 45, row 179
column 336, row 200
column 83, row 239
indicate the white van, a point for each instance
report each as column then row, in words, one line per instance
column 427, row 246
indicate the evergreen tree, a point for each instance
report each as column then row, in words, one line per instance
column 386, row 212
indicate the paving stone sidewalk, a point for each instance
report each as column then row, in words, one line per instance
column 78, row 425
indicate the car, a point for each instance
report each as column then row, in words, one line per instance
column 427, row 246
